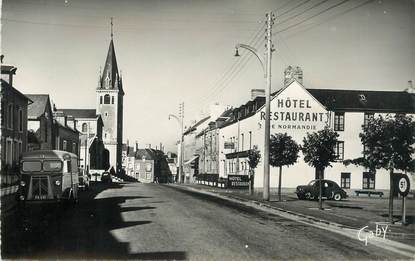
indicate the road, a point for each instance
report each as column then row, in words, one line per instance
column 151, row 221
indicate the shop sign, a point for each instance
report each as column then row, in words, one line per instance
column 295, row 114
column 238, row 181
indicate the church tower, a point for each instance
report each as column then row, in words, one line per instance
column 110, row 96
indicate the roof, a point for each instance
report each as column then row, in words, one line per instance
column 147, row 153
column 38, row 107
column 194, row 127
column 363, row 100
column 110, row 71
column 42, row 154
column 5, row 84
column 65, row 127
column 80, row 113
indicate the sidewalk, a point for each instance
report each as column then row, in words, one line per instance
column 353, row 213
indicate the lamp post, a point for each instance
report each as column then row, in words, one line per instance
column 267, row 74
column 180, row 121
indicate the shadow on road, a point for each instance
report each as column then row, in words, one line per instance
column 76, row 232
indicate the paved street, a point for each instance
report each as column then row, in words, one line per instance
column 149, row 221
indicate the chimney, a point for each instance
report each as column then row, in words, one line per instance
column 136, row 145
column 257, row 93
column 410, row 86
column 293, row 73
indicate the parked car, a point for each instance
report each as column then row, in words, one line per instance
column 106, row 177
column 84, row 180
column 330, row 190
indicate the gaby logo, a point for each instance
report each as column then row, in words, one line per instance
column 380, row 231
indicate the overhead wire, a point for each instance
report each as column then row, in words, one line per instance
column 297, row 24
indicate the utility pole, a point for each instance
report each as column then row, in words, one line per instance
column 267, row 74
column 269, row 47
column 181, row 116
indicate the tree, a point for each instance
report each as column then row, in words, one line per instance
column 254, row 157
column 318, row 150
column 389, row 144
column 283, row 152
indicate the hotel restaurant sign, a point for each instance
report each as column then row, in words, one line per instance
column 295, row 114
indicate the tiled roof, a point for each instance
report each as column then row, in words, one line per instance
column 80, row 113
column 38, row 107
column 361, row 100
column 147, row 153
column 194, row 127
column 5, row 84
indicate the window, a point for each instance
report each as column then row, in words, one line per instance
column 345, row 180
column 74, row 147
column 15, row 151
column 107, row 98
column 368, row 180
column 84, row 127
column 100, row 99
column 52, row 165
column 368, row 116
column 112, row 99
column 64, row 145
column 148, row 167
column 339, row 121
column 20, row 120
column 31, row 166
column 9, row 151
column 242, row 142
column 339, row 150
column 10, row 116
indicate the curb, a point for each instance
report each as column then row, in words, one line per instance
column 393, row 246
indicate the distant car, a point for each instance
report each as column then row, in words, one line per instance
column 106, row 177
column 330, row 190
column 84, row 181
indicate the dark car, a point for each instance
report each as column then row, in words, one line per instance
column 330, row 190
column 106, row 177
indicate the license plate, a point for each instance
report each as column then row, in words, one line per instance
column 40, row 197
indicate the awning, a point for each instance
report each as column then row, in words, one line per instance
column 191, row 160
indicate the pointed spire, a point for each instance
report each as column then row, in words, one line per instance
column 112, row 34
column 110, row 79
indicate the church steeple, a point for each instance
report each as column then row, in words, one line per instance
column 110, row 78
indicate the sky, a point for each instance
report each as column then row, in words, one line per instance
column 182, row 51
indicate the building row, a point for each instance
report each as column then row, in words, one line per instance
column 216, row 147
column 32, row 122
column 148, row 165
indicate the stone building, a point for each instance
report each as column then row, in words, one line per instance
column 93, row 154
column 13, row 131
column 40, row 123
column 65, row 133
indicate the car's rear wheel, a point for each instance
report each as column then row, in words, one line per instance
column 307, row 195
column 337, row 197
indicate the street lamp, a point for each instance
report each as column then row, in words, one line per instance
column 267, row 74
column 180, row 121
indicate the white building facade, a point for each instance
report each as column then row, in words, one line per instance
column 296, row 111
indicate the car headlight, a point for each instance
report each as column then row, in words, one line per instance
column 22, row 183
column 57, row 182
column 21, row 197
